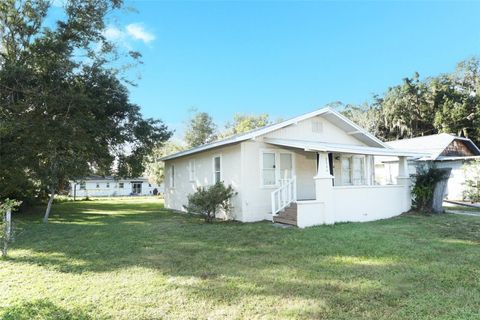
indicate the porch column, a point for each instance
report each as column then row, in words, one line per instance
column 324, row 187
column 403, row 178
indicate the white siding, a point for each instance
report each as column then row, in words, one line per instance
column 176, row 198
column 307, row 130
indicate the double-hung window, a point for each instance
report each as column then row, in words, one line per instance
column 191, row 170
column 217, row 169
column 82, row 185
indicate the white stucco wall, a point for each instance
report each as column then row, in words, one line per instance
column 176, row 197
column 368, row 203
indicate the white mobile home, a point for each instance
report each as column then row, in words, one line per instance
column 443, row 151
column 97, row 186
column 317, row 168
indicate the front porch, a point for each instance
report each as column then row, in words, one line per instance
column 343, row 186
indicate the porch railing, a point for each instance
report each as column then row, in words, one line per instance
column 284, row 195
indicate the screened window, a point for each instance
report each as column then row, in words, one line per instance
column 358, row 172
column 346, row 170
column 120, row 185
column 108, row 184
column 82, row 185
column 217, row 169
column 191, row 170
column 268, row 169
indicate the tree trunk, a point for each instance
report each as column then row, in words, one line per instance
column 7, row 231
column 439, row 192
column 49, row 205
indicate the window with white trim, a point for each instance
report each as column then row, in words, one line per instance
column 172, row 176
column 83, row 185
column 353, row 170
column 217, row 169
column 108, row 185
column 268, row 169
column 358, row 170
column 120, row 185
column 191, row 170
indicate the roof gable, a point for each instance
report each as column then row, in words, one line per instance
column 331, row 115
column 436, row 145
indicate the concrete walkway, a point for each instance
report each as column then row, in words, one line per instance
column 464, row 213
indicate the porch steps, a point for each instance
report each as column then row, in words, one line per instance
column 288, row 216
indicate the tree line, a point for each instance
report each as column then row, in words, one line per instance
column 447, row 103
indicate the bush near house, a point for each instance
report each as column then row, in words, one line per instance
column 207, row 201
column 423, row 189
column 472, row 181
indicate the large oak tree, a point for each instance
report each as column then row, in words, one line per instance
column 64, row 112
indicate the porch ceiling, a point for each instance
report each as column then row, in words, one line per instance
column 342, row 148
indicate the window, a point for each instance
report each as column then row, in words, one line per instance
column 317, row 127
column 353, row 170
column 150, row 185
column 217, row 169
column 191, row 170
column 358, row 172
column 82, row 185
column 268, row 169
column 98, row 185
column 120, row 185
column 108, row 184
column 346, row 170
column 172, row 176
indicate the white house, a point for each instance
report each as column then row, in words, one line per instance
column 317, row 168
column 444, row 151
column 97, row 186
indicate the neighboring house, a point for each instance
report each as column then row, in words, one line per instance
column 97, row 186
column 317, row 168
column 444, row 151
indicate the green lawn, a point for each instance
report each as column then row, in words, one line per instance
column 131, row 259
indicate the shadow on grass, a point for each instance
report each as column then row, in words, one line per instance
column 380, row 262
column 41, row 310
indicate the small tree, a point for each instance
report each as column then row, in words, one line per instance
column 472, row 181
column 207, row 201
column 7, row 231
column 426, row 181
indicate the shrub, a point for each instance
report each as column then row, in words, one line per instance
column 207, row 201
column 425, row 182
column 472, row 181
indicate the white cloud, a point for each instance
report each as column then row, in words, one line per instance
column 136, row 31
column 132, row 32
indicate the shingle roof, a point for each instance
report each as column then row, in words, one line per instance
column 332, row 115
column 433, row 144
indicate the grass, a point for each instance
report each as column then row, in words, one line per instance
column 132, row 259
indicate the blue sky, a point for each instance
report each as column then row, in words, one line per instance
column 286, row 58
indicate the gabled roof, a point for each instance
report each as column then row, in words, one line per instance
column 333, row 116
column 433, row 144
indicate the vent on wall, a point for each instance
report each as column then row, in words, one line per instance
column 317, row 126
